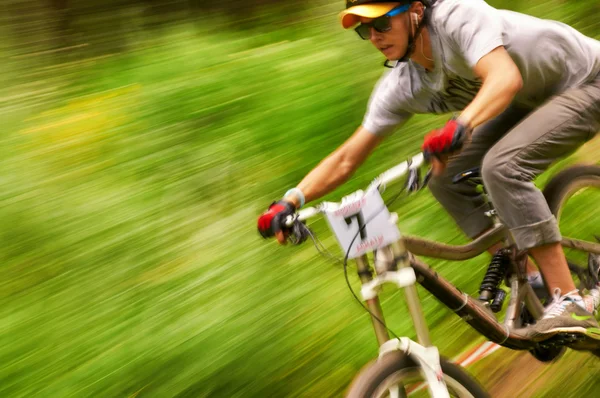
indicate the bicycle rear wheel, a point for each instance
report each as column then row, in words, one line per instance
column 573, row 196
column 397, row 375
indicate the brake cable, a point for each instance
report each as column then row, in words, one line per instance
column 411, row 185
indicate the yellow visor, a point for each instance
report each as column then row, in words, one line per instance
column 351, row 16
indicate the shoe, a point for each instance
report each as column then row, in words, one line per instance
column 591, row 300
column 566, row 314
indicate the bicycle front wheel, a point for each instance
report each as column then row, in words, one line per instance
column 397, row 375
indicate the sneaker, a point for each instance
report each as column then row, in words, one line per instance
column 566, row 314
column 591, row 301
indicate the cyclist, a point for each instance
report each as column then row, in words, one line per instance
column 528, row 92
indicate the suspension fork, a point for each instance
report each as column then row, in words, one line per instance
column 366, row 275
column 401, row 257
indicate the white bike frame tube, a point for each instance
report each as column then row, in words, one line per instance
column 373, row 304
column 384, row 178
column 429, row 360
column 412, row 297
column 398, row 171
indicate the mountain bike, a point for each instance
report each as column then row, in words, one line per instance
column 365, row 228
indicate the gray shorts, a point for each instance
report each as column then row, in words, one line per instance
column 513, row 149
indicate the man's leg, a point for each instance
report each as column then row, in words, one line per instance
column 461, row 200
column 553, row 266
column 553, row 131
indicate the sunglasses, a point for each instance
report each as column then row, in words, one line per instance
column 380, row 24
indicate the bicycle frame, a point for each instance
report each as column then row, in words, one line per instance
column 473, row 311
column 469, row 309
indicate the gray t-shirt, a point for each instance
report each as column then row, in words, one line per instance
column 550, row 55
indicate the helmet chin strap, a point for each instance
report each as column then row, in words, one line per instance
column 412, row 43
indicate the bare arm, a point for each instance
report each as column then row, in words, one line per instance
column 501, row 82
column 336, row 168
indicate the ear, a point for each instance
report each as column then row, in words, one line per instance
column 414, row 18
column 417, row 8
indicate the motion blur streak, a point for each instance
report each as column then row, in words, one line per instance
column 140, row 139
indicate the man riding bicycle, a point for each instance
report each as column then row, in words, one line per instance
column 528, row 92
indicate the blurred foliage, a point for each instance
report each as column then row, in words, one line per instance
column 140, row 141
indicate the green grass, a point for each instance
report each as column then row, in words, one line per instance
column 129, row 190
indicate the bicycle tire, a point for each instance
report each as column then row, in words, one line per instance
column 562, row 185
column 377, row 376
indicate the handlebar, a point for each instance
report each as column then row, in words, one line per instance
column 384, row 178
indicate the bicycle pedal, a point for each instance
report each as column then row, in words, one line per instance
column 585, row 344
column 562, row 339
column 572, row 337
column 575, row 341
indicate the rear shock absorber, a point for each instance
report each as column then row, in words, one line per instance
column 493, row 277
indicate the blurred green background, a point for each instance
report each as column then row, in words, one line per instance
column 140, row 140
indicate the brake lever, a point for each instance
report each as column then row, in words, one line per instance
column 413, row 181
column 427, row 177
column 299, row 232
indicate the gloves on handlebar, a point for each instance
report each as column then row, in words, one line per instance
column 273, row 220
column 448, row 139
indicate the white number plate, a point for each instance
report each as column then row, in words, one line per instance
column 346, row 219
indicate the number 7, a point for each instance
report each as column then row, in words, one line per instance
column 361, row 223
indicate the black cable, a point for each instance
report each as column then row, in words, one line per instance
column 346, row 264
column 322, row 249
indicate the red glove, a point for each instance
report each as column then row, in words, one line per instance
column 273, row 220
column 448, row 139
